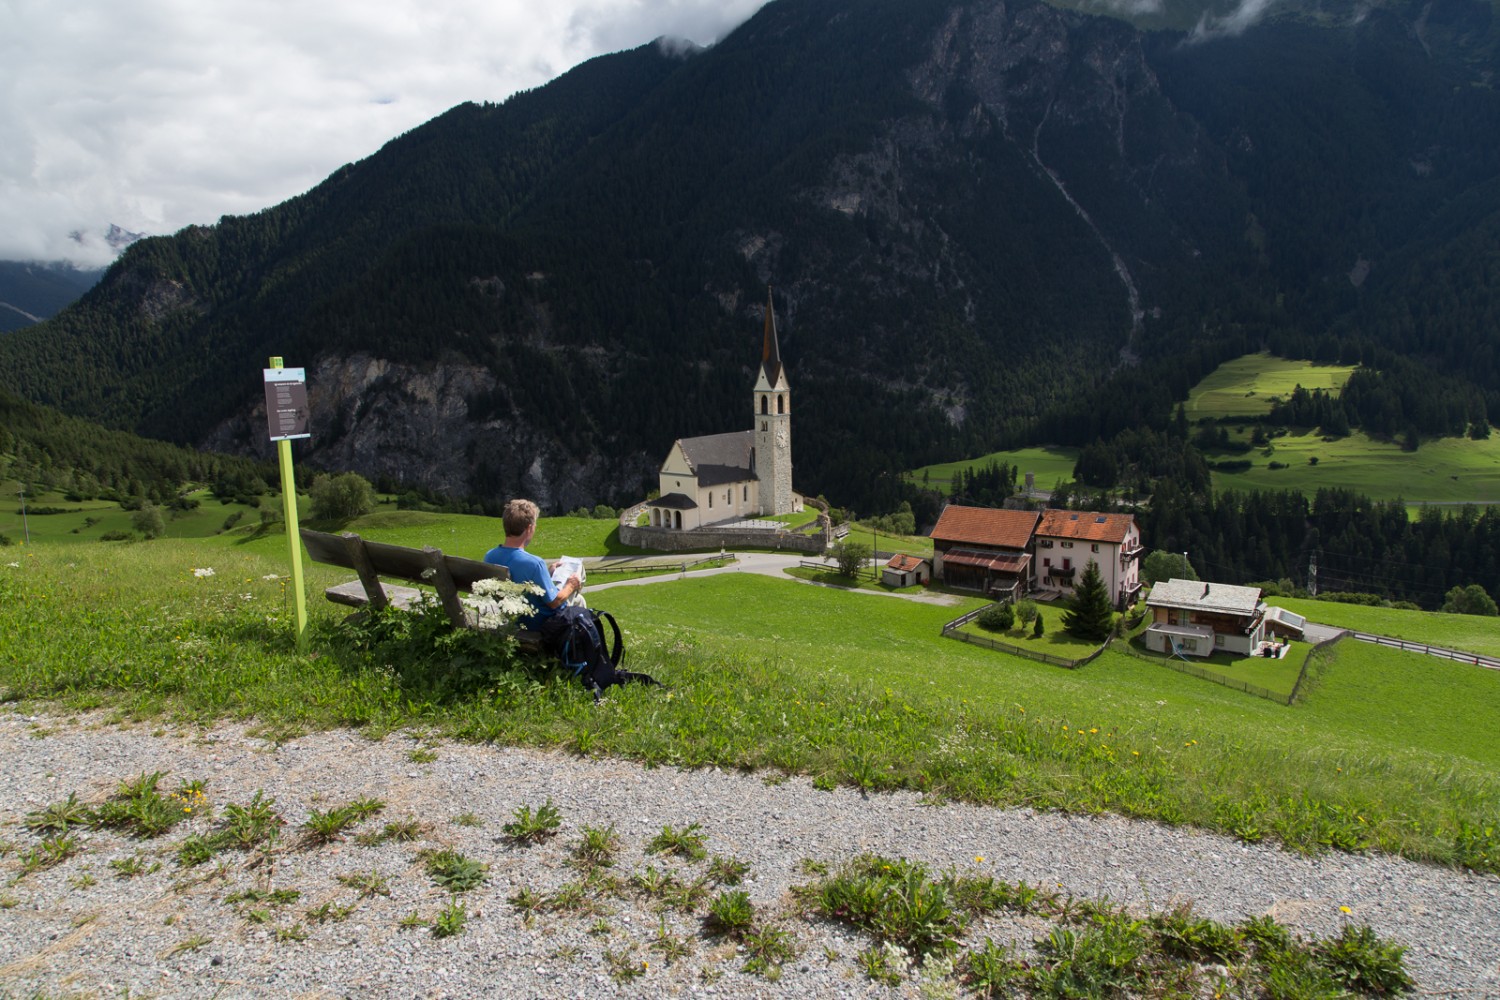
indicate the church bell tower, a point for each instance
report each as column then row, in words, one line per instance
column 773, row 423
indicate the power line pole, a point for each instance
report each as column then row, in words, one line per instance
column 25, row 524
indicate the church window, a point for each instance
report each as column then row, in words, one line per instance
column 765, row 404
column 763, row 426
column 678, row 516
column 747, row 494
column 710, row 501
column 780, row 404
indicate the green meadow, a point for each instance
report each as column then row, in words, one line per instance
column 1445, row 471
column 1247, row 386
column 850, row 687
column 1468, row 633
column 1050, row 465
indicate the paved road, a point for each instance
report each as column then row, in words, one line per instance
column 769, row 564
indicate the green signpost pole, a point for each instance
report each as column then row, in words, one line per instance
column 293, row 539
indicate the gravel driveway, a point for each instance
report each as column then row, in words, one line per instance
column 79, row 927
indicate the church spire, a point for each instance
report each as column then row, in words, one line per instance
column 770, row 352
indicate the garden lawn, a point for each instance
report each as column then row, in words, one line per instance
column 1469, row 633
column 1247, row 386
column 846, row 686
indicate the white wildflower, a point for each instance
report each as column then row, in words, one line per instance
column 270, row 576
column 14, row 565
column 496, row 602
column 202, row 571
column 247, row 597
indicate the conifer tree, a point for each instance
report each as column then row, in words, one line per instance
column 1092, row 617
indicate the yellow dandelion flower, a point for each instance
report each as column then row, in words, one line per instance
column 1094, row 729
column 1136, row 752
column 1345, row 909
column 979, row 859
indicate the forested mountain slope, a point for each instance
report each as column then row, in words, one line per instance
column 974, row 214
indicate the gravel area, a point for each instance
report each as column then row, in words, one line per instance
column 78, row 928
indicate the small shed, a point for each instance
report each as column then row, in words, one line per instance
column 906, row 571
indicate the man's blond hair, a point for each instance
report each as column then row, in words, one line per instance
column 519, row 515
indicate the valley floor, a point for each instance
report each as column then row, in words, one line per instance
column 82, row 927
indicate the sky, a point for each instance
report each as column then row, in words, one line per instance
column 153, row 115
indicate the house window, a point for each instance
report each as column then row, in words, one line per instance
column 1047, row 563
column 1067, row 564
column 1218, row 639
column 1045, row 543
column 1067, row 545
column 1094, row 547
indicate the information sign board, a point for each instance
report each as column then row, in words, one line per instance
column 286, row 403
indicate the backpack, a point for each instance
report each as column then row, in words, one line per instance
column 575, row 635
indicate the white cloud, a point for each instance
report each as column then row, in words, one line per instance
column 1234, row 23
column 156, row 114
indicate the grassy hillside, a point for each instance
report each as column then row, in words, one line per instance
column 850, row 687
column 1247, row 386
column 1050, row 464
column 1470, row 633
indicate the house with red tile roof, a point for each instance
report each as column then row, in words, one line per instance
column 984, row 549
column 906, row 571
column 1067, row 540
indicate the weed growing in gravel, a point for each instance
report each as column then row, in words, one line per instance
column 767, row 949
column 59, row 816
column 83, row 880
column 685, row 895
column 411, row 921
column 533, row 827
column 453, row 871
column 326, row 912
column 526, row 901
column 600, row 928
column 326, row 827
column 293, row 933
column 450, row 920
column 596, row 849
column 670, row 946
column 727, row 871
column 422, row 755
column 188, row 944
column 402, row 831
column 651, row 881
column 134, row 866
column 52, row 851
column 623, row 966
column 893, row 899
column 884, row 963
column 468, row 819
column 367, row 884
column 686, row 842
column 256, row 824
column 731, row 913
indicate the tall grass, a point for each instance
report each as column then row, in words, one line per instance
column 848, row 687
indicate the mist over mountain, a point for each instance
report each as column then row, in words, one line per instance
column 975, row 215
column 31, row 291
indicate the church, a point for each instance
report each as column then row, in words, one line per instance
column 739, row 475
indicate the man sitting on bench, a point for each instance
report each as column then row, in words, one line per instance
column 520, row 525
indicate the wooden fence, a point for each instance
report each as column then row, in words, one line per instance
column 953, row 630
column 1418, row 647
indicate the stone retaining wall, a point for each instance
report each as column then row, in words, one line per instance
column 670, row 540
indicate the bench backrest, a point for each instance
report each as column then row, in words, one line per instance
column 372, row 560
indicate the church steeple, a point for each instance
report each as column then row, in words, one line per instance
column 773, row 423
column 770, row 351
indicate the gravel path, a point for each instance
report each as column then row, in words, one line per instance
column 77, row 928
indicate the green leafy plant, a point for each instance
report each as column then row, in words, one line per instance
column 453, row 871
column 59, row 816
column 52, row 851
column 730, row 913
column 1360, row 961
column 596, row 848
column 767, row 948
column 451, row 919
column 367, row 884
column 686, row 842
column 533, row 827
column 727, row 871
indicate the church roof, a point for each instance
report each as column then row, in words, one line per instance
column 770, row 350
column 721, row 458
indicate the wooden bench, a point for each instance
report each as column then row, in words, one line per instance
column 447, row 575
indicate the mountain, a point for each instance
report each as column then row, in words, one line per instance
column 31, row 291
column 984, row 220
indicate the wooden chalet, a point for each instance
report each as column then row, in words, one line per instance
column 984, row 549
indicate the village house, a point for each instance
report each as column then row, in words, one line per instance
column 1065, row 542
column 904, row 570
column 984, row 549
column 1192, row 618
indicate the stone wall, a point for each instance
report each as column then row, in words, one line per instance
column 669, row 540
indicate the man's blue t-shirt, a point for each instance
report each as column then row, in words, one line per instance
column 526, row 568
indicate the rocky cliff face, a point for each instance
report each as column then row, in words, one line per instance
column 412, row 424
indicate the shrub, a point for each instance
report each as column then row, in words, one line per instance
column 997, row 618
column 1026, row 612
column 341, row 498
column 148, row 521
column 1039, row 628
column 851, row 556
